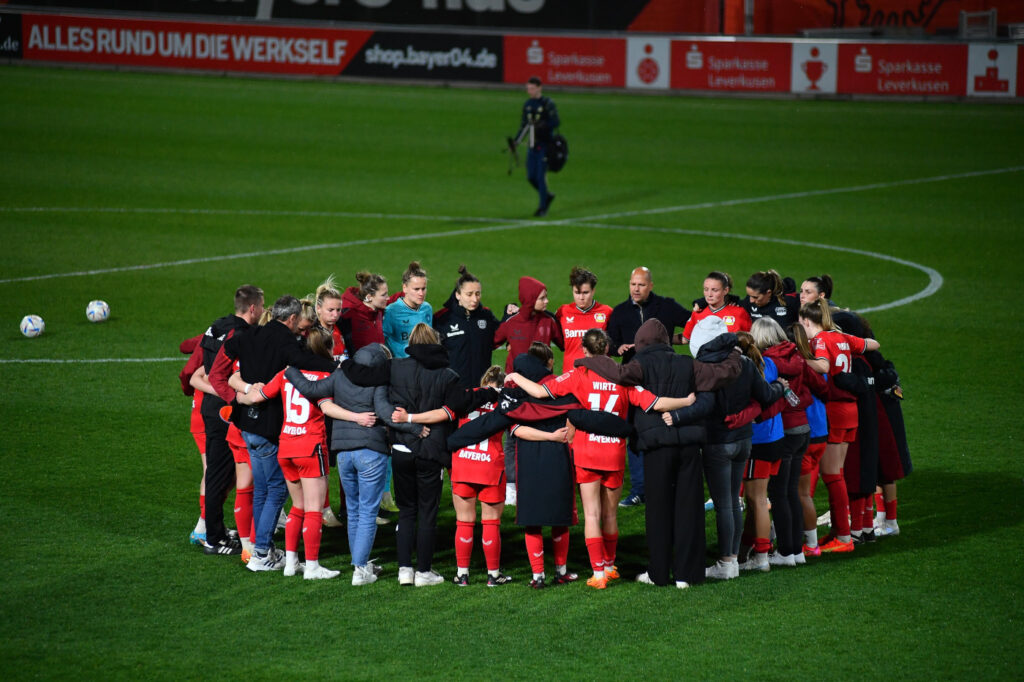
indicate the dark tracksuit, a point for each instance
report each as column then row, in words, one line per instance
column 543, row 116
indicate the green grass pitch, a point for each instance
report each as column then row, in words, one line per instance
column 221, row 180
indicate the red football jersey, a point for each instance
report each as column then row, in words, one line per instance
column 736, row 318
column 838, row 348
column 339, row 345
column 590, row 450
column 575, row 323
column 482, row 462
column 196, row 419
column 303, row 427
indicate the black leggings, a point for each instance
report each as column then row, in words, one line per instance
column 784, row 493
column 418, row 494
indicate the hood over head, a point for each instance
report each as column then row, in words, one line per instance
column 529, row 292
column 371, row 355
column 430, row 355
column 650, row 333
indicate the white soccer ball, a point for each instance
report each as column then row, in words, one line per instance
column 32, row 326
column 97, row 311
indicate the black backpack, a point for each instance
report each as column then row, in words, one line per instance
column 558, row 153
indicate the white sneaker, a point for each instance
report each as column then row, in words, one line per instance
column 291, row 569
column 879, row 520
column 427, row 578
column 825, row 519
column 644, row 578
column 682, row 584
column 273, row 561
column 364, row 575
column 330, row 520
column 406, row 575
column 758, row 561
column 377, row 570
column 890, row 529
column 799, row 559
column 381, row 521
column 722, row 570
column 282, row 521
column 776, row 559
column 510, row 494
column 319, row 572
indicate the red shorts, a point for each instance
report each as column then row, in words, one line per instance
column 200, row 439
column 609, row 479
column 313, row 466
column 490, row 494
column 760, row 469
column 842, row 435
column 812, row 458
column 237, row 445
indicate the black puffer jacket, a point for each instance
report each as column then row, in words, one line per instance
column 419, row 383
column 734, row 396
column 668, row 374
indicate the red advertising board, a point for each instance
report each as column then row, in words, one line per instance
column 909, row 69
column 1020, row 71
column 189, row 45
column 592, row 62
column 731, row 66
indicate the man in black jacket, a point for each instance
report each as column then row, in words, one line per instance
column 220, row 465
column 643, row 304
column 262, row 352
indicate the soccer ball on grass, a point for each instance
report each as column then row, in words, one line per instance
column 97, row 311
column 32, row 326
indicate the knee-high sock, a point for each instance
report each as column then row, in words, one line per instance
column 293, row 529
column 243, row 512
column 595, row 549
column 838, row 503
column 610, row 541
column 491, row 540
column 890, row 510
column 463, row 543
column 202, row 506
column 560, row 541
column 856, row 513
column 535, row 549
column 312, row 528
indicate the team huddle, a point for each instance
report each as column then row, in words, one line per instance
column 780, row 388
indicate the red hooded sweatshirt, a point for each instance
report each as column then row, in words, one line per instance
column 528, row 325
column 363, row 323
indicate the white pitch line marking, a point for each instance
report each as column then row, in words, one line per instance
column 935, row 279
column 507, row 225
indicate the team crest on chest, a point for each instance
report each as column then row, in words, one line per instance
column 600, row 318
column 729, row 320
column 482, row 324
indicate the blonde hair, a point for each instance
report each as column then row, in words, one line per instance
column 749, row 348
column 422, row 333
column 321, row 342
column 326, row 290
column 767, row 333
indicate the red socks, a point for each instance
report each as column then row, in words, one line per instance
column 491, row 540
column 243, row 512
column 857, row 513
column 595, row 549
column 838, row 503
column 293, row 529
column 202, row 506
column 312, row 528
column 463, row 543
column 879, row 502
column 610, row 545
column 762, row 545
column 890, row 510
column 560, row 541
column 535, row 549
